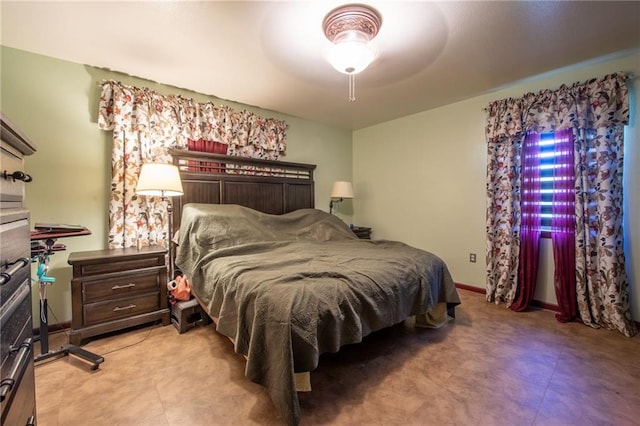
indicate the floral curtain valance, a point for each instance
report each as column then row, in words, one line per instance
column 141, row 110
column 597, row 103
column 145, row 125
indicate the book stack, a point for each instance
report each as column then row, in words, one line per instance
column 58, row 227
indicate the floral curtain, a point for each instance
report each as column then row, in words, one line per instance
column 603, row 298
column 596, row 111
column 503, row 209
column 145, row 125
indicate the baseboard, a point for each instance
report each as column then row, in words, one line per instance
column 471, row 288
column 536, row 303
column 54, row 328
column 543, row 305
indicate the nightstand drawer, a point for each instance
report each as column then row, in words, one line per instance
column 121, row 286
column 96, row 313
column 90, row 269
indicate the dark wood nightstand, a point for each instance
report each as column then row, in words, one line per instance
column 116, row 289
column 362, row 232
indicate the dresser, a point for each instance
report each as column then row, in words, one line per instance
column 116, row 289
column 17, row 385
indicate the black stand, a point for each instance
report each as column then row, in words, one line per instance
column 42, row 257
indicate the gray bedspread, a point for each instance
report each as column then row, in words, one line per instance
column 289, row 288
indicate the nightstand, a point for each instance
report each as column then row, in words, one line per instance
column 362, row 232
column 115, row 289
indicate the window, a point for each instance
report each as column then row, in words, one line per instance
column 548, row 182
column 547, row 155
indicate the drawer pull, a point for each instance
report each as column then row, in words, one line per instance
column 17, row 175
column 123, row 308
column 13, row 267
column 6, row 385
column 119, row 287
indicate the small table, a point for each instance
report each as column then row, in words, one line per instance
column 362, row 232
column 43, row 246
column 115, row 289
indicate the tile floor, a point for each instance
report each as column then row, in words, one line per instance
column 489, row 366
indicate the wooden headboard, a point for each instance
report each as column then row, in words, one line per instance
column 274, row 187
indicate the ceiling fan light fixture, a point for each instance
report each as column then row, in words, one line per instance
column 351, row 57
column 351, row 28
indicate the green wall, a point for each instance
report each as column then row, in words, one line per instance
column 418, row 179
column 55, row 104
column 421, row 178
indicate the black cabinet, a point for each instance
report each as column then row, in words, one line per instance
column 17, row 385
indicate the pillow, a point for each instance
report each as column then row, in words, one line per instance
column 203, row 145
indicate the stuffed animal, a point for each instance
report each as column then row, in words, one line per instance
column 179, row 289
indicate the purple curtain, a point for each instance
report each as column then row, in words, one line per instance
column 530, row 222
column 563, row 226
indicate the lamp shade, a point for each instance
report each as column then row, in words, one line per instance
column 158, row 179
column 342, row 189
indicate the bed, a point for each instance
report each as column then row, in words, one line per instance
column 287, row 282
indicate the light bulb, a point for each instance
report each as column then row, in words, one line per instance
column 351, row 56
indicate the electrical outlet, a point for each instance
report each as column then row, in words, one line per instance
column 472, row 257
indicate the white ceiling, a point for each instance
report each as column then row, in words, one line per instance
column 271, row 54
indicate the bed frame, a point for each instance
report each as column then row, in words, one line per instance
column 273, row 187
